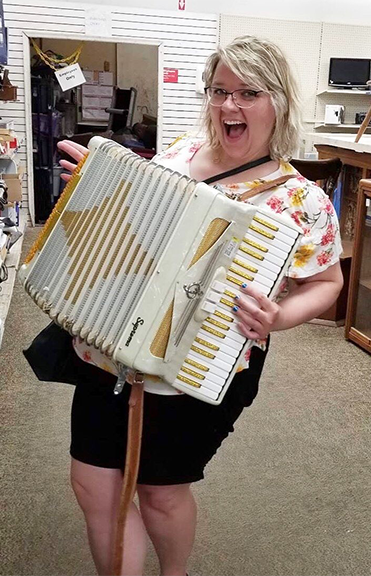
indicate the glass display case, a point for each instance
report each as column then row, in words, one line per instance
column 358, row 320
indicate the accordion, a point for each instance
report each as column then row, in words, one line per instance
column 143, row 263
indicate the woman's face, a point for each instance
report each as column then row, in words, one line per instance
column 244, row 133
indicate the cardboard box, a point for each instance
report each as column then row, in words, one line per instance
column 94, row 114
column 97, row 91
column 105, row 103
column 91, row 76
column 91, row 102
column 14, row 183
column 106, row 78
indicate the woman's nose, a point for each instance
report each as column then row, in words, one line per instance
column 229, row 103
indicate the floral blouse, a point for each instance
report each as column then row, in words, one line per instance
column 304, row 201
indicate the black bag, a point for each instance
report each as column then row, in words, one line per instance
column 52, row 357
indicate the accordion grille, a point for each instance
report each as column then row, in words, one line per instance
column 100, row 246
column 57, row 210
column 213, row 233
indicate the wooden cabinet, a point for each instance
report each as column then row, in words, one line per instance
column 356, row 166
column 358, row 320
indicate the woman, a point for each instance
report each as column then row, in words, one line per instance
column 251, row 113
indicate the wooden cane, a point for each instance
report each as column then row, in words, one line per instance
column 135, row 426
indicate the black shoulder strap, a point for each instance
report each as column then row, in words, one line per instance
column 237, row 170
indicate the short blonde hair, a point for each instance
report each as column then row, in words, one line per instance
column 262, row 66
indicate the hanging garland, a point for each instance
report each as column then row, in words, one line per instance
column 51, row 62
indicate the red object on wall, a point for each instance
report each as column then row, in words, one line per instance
column 181, row 4
column 170, row 75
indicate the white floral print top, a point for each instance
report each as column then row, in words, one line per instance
column 303, row 200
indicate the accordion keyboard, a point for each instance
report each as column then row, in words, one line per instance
column 261, row 259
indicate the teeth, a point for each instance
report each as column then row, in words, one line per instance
column 232, row 122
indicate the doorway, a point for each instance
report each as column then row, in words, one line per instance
column 120, row 100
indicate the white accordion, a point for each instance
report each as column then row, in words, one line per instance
column 143, row 263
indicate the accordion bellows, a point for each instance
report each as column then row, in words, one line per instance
column 143, row 263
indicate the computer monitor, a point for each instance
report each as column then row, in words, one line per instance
column 349, row 72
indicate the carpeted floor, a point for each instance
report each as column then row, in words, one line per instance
column 288, row 494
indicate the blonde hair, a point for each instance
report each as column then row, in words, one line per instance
column 262, row 66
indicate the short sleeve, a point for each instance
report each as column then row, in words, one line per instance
column 179, row 153
column 320, row 246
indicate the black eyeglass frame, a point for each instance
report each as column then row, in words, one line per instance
column 226, row 94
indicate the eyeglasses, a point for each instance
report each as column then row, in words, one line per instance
column 243, row 98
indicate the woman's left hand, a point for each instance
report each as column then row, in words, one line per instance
column 256, row 314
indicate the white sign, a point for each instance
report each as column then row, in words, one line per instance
column 70, row 76
column 98, row 23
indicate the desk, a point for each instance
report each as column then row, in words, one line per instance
column 356, row 159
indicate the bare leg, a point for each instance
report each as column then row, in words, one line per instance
column 169, row 514
column 98, row 493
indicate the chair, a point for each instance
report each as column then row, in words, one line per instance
column 326, row 172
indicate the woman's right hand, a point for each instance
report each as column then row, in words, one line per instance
column 76, row 151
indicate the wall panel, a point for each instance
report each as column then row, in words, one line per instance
column 187, row 39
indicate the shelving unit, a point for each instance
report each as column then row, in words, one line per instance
column 345, row 91
column 323, row 125
column 358, row 321
column 353, row 101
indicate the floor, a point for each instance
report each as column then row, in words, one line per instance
column 288, row 494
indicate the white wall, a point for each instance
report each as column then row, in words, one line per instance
column 138, row 68
column 185, row 43
column 343, row 11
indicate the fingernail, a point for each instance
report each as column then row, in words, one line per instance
column 236, row 297
column 244, row 285
column 235, row 308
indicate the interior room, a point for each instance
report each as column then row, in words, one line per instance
column 78, row 114
column 109, row 272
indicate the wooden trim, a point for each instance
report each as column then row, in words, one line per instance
column 364, row 191
column 350, row 157
column 360, row 339
column 28, row 120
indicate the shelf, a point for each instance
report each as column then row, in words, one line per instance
column 322, row 125
column 345, row 91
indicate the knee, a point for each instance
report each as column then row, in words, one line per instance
column 83, row 493
column 165, row 499
column 97, row 491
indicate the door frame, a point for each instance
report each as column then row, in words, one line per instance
column 28, row 97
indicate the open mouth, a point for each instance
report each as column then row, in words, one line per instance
column 234, row 128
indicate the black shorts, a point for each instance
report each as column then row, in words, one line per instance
column 180, row 434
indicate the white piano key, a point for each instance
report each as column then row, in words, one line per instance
column 271, row 271
column 210, row 365
column 280, row 225
column 266, row 262
column 226, row 341
column 261, row 287
column 202, row 390
column 278, row 243
column 213, row 297
column 218, row 286
column 247, row 276
column 208, row 307
column 229, row 333
column 273, row 229
column 229, row 359
column 223, row 348
column 216, row 362
column 200, row 376
column 265, row 244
